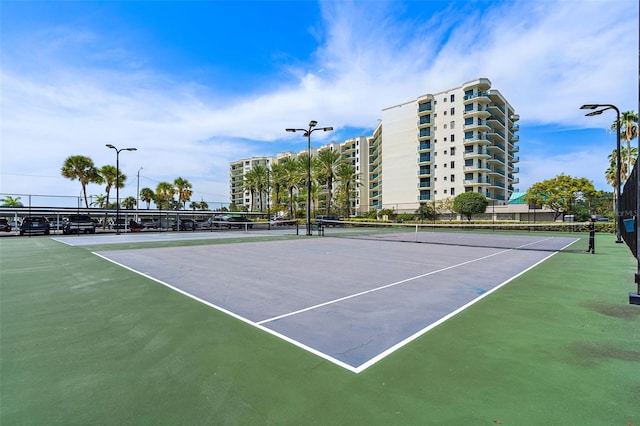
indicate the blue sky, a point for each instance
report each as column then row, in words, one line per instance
column 195, row 85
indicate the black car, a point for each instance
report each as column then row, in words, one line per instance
column 35, row 225
column 185, row 225
column 5, row 226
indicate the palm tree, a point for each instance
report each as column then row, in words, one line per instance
column 261, row 184
column 129, row 202
column 626, row 160
column 194, row 205
column 347, row 175
column 81, row 168
column 100, row 201
column 294, row 173
column 183, row 189
column 277, row 183
column 109, row 175
column 9, row 201
column 147, row 195
column 628, row 131
column 251, row 185
column 164, row 195
column 203, row 205
column 327, row 164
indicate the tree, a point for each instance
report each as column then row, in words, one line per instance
column 204, row 205
column 147, row 195
column 628, row 131
column 182, row 188
column 81, row 168
column 194, row 205
column 346, row 174
column 561, row 193
column 470, row 203
column 129, row 203
column 326, row 165
column 164, row 195
column 100, row 201
column 426, row 211
column 277, row 184
column 294, row 174
column 9, row 201
column 110, row 176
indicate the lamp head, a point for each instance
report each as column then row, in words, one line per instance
column 131, row 149
column 290, row 130
column 327, row 129
column 592, row 113
column 589, row 106
column 313, row 123
column 110, row 146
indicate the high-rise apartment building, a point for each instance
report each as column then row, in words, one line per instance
column 431, row 148
column 439, row 145
column 237, row 171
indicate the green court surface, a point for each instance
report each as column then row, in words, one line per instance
column 84, row 341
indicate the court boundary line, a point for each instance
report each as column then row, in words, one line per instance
column 325, row 356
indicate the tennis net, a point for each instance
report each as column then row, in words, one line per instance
column 516, row 236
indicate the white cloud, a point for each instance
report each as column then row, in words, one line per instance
column 547, row 58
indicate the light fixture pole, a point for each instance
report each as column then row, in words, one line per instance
column 118, row 181
column 307, row 132
column 598, row 112
column 138, row 196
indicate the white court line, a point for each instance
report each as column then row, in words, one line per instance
column 330, row 302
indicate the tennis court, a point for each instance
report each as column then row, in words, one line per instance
column 350, row 301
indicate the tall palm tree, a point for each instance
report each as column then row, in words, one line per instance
column 164, row 194
column 347, row 176
column 147, row 195
column 627, row 159
column 327, row 164
column 294, row 173
column 251, row 184
column 110, row 176
column 277, row 183
column 204, row 205
column 261, row 184
column 81, row 168
column 183, row 189
column 628, row 131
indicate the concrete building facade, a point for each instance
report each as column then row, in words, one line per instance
column 431, row 148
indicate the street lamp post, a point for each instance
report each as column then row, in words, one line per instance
column 118, row 181
column 598, row 112
column 138, row 196
column 307, row 133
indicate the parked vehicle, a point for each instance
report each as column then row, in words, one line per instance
column 35, row 225
column 218, row 221
column 5, row 226
column 332, row 221
column 238, row 222
column 150, row 224
column 79, row 223
column 281, row 221
column 185, row 225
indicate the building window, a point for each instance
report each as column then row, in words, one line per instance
column 444, row 99
column 453, row 178
column 445, row 191
column 452, row 191
column 453, row 111
column 453, row 97
column 453, row 164
column 453, row 125
column 453, row 150
column 445, row 125
column 445, row 139
column 445, row 152
column 453, row 138
column 444, row 112
column 445, row 178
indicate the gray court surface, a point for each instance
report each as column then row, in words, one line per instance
column 352, row 302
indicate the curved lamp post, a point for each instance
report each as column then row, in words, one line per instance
column 307, row 133
column 118, row 180
column 598, row 112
